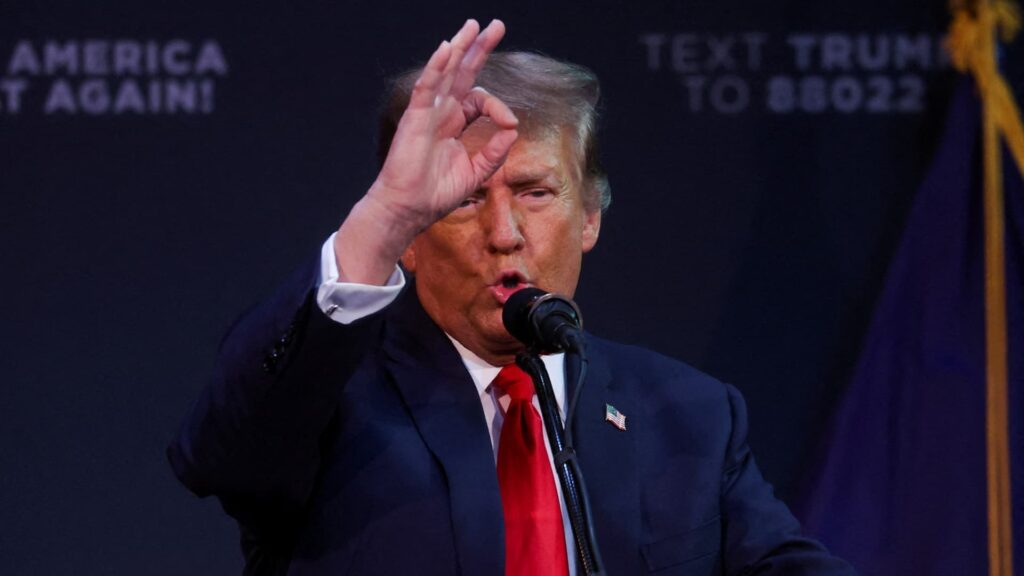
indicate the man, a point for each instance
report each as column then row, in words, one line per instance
column 353, row 427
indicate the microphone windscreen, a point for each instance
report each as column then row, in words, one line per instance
column 516, row 314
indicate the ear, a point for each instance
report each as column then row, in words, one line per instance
column 591, row 228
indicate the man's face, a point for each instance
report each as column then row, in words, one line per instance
column 526, row 226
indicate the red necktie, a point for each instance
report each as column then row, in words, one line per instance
column 534, row 537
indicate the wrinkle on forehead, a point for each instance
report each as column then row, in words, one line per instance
column 533, row 161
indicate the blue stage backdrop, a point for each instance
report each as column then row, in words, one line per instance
column 164, row 166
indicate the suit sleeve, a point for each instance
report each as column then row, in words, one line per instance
column 253, row 437
column 761, row 536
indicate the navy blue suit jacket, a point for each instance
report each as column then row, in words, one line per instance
column 363, row 449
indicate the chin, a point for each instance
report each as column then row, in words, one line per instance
column 501, row 338
column 501, row 341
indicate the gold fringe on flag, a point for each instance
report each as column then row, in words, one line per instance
column 972, row 48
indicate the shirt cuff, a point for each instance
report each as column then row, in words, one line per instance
column 346, row 302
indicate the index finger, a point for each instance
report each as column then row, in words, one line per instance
column 475, row 58
column 425, row 89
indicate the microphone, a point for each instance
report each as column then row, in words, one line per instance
column 544, row 321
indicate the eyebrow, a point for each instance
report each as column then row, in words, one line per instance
column 526, row 178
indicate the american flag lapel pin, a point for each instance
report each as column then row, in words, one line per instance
column 618, row 419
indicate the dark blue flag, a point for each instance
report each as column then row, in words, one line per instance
column 901, row 488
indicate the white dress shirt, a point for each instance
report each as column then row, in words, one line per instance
column 346, row 302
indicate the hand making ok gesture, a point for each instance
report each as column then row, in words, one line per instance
column 428, row 171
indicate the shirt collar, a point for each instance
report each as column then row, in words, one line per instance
column 483, row 373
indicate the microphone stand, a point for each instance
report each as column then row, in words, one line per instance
column 574, row 491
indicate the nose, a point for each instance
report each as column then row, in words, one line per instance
column 502, row 224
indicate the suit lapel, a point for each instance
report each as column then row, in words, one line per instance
column 445, row 407
column 607, row 459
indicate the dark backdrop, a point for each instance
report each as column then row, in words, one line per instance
column 762, row 157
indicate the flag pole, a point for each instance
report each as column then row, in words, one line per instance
column 973, row 48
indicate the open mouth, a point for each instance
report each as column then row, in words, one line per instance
column 508, row 284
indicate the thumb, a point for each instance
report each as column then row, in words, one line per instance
column 488, row 159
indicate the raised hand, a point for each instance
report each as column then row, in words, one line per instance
column 428, row 171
